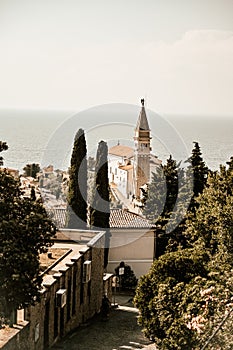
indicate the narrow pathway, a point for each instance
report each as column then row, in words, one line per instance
column 120, row 332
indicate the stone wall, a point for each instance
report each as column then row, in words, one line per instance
column 47, row 321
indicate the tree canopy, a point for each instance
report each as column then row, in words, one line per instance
column 3, row 147
column 31, row 170
column 25, row 232
column 187, row 293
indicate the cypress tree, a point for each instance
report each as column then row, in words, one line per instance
column 199, row 168
column 3, row 147
column 100, row 208
column 171, row 175
column 31, row 170
column 77, row 192
column 33, row 194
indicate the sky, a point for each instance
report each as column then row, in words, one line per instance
column 73, row 54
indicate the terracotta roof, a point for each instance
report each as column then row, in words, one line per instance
column 126, row 167
column 121, row 151
column 119, row 218
column 58, row 217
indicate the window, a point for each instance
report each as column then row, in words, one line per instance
column 86, row 271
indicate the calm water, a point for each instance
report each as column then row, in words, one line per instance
column 46, row 137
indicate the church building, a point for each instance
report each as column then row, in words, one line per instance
column 130, row 168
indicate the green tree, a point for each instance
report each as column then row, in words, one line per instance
column 100, row 207
column 77, row 192
column 161, row 200
column 230, row 164
column 3, row 147
column 128, row 279
column 212, row 226
column 31, row 170
column 156, row 196
column 199, row 171
column 33, row 194
column 161, row 301
column 25, row 232
column 188, row 292
column 171, row 174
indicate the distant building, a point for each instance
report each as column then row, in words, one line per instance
column 130, row 169
column 133, row 239
column 13, row 172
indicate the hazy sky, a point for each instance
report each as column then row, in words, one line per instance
column 73, row 54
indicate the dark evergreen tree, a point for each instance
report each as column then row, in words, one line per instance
column 77, row 192
column 199, row 170
column 33, row 193
column 187, row 293
column 162, row 191
column 31, row 170
column 3, row 147
column 171, row 174
column 161, row 200
column 156, row 196
column 230, row 164
column 25, row 231
column 100, row 207
column 127, row 279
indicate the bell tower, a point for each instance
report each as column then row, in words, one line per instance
column 142, row 151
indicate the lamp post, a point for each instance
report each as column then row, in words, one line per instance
column 121, row 272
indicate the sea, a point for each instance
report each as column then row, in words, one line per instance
column 46, row 137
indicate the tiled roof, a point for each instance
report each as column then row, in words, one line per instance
column 58, row 216
column 121, row 151
column 126, row 167
column 119, row 218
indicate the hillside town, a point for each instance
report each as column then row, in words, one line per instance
column 102, row 243
column 74, row 275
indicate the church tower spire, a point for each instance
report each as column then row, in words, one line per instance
column 142, row 151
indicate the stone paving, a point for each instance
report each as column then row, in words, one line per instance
column 119, row 332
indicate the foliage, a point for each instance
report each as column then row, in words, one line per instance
column 33, row 193
column 160, row 294
column 31, row 170
column 156, row 196
column 77, row 192
column 25, row 232
column 100, row 206
column 161, row 200
column 188, row 292
column 213, row 223
column 3, row 147
column 199, row 172
column 128, row 279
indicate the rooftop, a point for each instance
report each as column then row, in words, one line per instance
column 49, row 258
column 119, row 218
column 123, row 218
column 142, row 123
column 121, row 151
